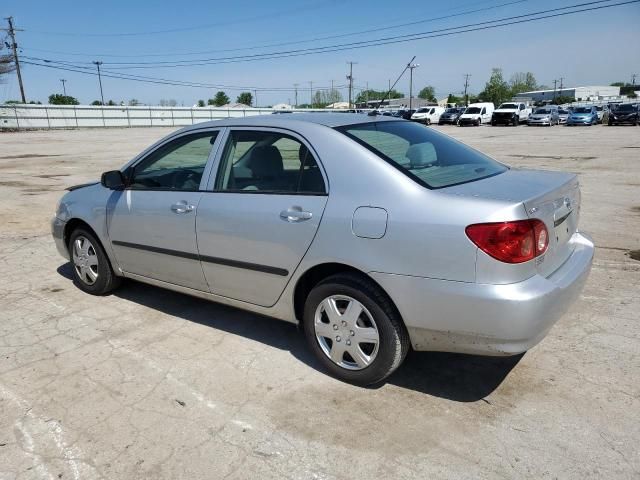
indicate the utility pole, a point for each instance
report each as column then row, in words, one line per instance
column 466, row 86
column 97, row 64
column 311, row 93
column 255, row 93
column 555, row 82
column 295, row 86
column 561, row 85
column 64, row 89
column 367, row 94
column 350, row 78
column 411, row 66
column 14, row 46
column 633, row 79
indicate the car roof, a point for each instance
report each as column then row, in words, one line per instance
column 296, row 119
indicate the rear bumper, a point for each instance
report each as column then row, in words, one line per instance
column 538, row 122
column 488, row 319
column 57, row 231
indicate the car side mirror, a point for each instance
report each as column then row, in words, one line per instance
column 113, row 180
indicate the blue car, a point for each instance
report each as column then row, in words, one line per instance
column 583, row 116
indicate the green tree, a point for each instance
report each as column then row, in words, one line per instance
column 370, row 94
column 134, row 102
column 58, row 99
column 245, row 98
column 111, row 103
column 219, row 100
column 455, row 99
column 562, row 99
column 96, row 102
column 428, row 93
column 522, row 82
column 496, row 90
column 617, row 84
column 322, row 98
column 201, row 103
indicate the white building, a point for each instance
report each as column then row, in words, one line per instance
column 579, row 94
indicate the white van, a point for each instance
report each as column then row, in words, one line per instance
column 477, row 114
column 428, row 115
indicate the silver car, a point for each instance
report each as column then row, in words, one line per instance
column 377, row 235
column 544, row 116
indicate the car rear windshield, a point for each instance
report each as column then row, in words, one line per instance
column 430, row 158
column 582, row 110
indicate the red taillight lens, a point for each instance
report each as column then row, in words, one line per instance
column 511, row 242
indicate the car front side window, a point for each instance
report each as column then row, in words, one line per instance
column 178, row 165
column 268, row 162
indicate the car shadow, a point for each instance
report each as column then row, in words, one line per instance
column 456, row 377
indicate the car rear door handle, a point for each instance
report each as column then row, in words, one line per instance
column 295, row 214
column 182, row 207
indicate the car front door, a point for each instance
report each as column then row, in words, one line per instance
column 261, row 215
column 152, row 223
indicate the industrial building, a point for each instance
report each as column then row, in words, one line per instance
column 580, row 94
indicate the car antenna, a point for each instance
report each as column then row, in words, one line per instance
column 375, row 112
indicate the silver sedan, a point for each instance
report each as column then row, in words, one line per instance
column 377, row 235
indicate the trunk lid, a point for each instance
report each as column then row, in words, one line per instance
column 553, row 197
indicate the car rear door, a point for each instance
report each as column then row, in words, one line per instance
column 261, row 214
column 152, row 222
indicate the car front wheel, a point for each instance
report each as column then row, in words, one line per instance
column 92, row 271
column 354, row 330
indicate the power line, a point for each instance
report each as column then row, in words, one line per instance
column 163, row 81
column 486, row 25
column 276, row 14
column 280, row 44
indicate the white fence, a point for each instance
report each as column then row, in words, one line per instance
column 19, row 116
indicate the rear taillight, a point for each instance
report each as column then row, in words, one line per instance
column 511, row 242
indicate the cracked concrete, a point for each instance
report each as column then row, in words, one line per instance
column 152, row 384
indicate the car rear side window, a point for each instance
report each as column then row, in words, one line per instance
column 428, row 157
column 268, row 162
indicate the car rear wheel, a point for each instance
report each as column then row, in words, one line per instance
column 354, row 330
column 92, row 271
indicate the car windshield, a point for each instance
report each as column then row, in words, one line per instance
column 542, row 111
column 472, row 110
column 563, row 112
column 625, row 108
column 508, row 105
column 582, row 110
column 428, row 157
column 452, row 110
column 422, row 110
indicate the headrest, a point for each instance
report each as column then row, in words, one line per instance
column 266, row 161
column 421, row 155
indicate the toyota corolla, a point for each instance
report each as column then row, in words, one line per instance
column 375, row 234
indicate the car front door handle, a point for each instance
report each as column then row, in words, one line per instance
column 295, row 214
column 182, row 207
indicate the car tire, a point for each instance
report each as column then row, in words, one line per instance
column 92, row 271
column 516, row 121
column 377, row 318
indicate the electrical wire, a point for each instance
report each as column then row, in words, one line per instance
column 316, row 39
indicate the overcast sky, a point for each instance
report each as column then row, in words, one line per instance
column 590, row 48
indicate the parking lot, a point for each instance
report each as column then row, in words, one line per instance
column 147, row 383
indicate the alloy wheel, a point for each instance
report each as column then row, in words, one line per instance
column 346, row 332
column 85, row 260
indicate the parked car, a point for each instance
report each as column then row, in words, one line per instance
column 600, row 111
column 583, row 116
column 511, row 113
column 476, row 114
column 428, row 115
column 625, row 113
column 406, row 114
column 451, row 115
column 545, row 116
column 563, row 114
column 416, row 241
